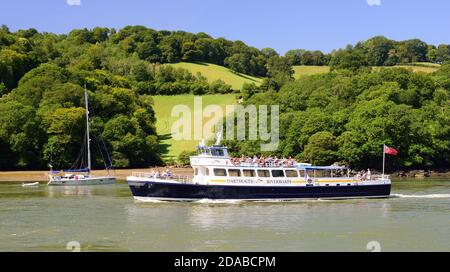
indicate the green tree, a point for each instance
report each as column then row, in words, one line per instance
column 321, row 149
column 13, row 66
column 378, row 50
column 184, row 157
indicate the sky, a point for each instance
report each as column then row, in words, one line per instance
column 280, row 24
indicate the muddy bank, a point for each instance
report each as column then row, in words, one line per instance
column 421, row 174
column 41, row 176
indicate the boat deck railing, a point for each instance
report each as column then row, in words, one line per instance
column 372, row 177
column 266, row 164
column 179, row 178
column 380, row 177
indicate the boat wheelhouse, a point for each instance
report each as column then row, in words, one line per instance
column 220, row 177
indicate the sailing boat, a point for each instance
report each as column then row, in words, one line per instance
column 80, row 176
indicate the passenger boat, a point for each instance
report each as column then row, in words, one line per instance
column 217, row 176
column 81, row 175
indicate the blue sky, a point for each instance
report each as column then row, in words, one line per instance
column 280, row 24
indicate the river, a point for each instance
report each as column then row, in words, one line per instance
column 106, row 218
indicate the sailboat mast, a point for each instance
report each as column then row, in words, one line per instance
column 87, row 129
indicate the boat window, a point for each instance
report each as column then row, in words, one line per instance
column 249, row 173
column 196, row 171
column 291, row 173
column 302, row 173
column 234, row 172
column 263, row 173
column 217, row 152
column 220, row 172
column 207, row 171
column 277, row 173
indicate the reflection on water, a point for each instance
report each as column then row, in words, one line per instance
column 105, row 218
column 58, row 191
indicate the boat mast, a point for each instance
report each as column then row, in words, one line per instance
column 87, row 129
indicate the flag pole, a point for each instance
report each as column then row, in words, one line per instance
column 384, row 157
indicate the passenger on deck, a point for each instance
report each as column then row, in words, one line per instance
column 255, row 160
column 363, row 175
column 264, row 162
column 291, row 162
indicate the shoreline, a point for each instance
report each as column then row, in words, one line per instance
column 41, row 176
column 121, row 174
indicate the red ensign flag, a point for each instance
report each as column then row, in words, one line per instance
column 390, row 150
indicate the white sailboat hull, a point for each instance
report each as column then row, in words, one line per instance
column 55, row 181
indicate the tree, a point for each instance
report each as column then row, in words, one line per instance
column 378, row 50
column 413, row 50
column 220, row 87
column 443, row 53
column 269, row 52
column 129, row 144
column 321, row 149
column 184, row 157
column 190, row 52
column 279, row 72
column 170, row 49
column 20, row 136
column 352, row 59
column 13, row 66
column 294, row 57
column 65, row 130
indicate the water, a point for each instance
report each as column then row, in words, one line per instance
column 105, row 218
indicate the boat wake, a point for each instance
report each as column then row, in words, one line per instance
column 218, row 201
column 150, row 201
column 422, row 196
column 228, row 201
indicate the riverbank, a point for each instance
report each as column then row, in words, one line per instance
column 121, row 174
column 41, row 176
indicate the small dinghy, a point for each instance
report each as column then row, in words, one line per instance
column 30, row 184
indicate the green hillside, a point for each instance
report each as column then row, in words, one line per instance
column 303, row 70
column 425, row 67
column 163, row 105
column 213, row 72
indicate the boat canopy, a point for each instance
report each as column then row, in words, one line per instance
column 215, row 150
column 303, row 165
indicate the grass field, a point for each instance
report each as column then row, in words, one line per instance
column 213, row 72
column 169, row 147
column 425, row 67
column 418, row 68
column 302, row 70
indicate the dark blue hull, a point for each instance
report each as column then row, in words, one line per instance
column 179, row 191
